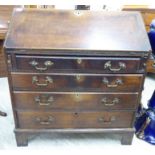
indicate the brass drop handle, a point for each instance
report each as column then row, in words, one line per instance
column 108, row 65
column 48, row 121
column 116, row 84
column 48, row 102
column 107, row 102
column 48, row 80
column 47, row 64
column 102, row 120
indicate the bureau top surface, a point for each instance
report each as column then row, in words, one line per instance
column 77, row 30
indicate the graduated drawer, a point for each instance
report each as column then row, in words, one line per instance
column 78, row 82
column 81, row 101
column 46, row 120
column 77, row 64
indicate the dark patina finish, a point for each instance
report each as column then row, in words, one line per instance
column 75, row 71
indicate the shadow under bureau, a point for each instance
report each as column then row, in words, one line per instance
column 75, row 71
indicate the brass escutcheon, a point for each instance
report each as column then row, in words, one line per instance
column 79, row 61
column 78, row 77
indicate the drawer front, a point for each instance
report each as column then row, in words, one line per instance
column 77, row 64
column 80, row 101
column 47, row 120
column 74, row 82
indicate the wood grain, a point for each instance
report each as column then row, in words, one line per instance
column 72, row 94
column 78, row 82
column 74, row 120
column 5, row 17
column 77, row 64
column 74, row 101
column 77, row 30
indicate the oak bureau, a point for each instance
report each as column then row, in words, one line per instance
column 75, row 71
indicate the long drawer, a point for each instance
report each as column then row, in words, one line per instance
column 77, row 64
column 47, row 120
column 78, row 82
column 77, row 101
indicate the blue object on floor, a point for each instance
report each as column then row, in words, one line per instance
column 145, row 122
column 140, row 119
column 151, row 103
column 151, row 35
column 149, row 132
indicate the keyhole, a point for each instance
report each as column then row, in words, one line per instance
column 76, row 114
